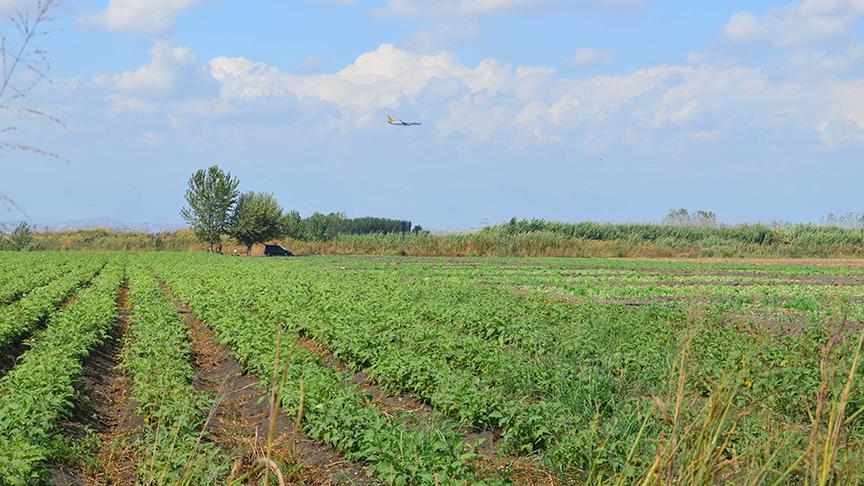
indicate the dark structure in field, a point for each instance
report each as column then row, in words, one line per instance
column 276, row 250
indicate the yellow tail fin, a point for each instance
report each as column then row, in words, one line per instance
column 390, row 119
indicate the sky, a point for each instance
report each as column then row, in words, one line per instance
column 603, row 110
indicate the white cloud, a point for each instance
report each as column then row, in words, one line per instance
column 587, row 56
column 803, row 23
column 812, row 64
column 495, row 99
column 162, row 73
column 147, row 17
column 439, row 8
column 171, row 72
column 655, row 108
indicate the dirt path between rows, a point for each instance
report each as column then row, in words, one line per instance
column 104, row 407
column 239, row 421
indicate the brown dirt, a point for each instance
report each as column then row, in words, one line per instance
column 9, row 356
column 106, row 410
column 239, row 421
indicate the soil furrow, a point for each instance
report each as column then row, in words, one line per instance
column 104, row 411
column 240, row 420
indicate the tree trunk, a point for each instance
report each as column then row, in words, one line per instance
column 249, row 249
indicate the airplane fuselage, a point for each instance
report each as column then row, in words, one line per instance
column 402, row 123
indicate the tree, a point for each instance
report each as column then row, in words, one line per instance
column 679, row 217
column 23, row 66
column 292, row 225
column 704, row 219
column 257, row 218
column 21, row 238
column 211, row 196
column 322, row 227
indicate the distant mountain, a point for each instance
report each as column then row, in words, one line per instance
column 107, row 223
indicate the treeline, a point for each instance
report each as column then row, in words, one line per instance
column 216, row 209
column 323, row 227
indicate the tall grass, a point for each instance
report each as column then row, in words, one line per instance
column 697, row 443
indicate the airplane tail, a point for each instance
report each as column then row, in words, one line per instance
column 390, row 119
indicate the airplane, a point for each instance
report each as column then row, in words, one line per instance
column 401, row 123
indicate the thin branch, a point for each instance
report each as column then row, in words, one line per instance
column 35, row 150
column 9, row 204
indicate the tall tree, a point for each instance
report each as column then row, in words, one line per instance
column 257, row 218
column 211, row 196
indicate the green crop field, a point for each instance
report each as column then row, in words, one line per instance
column 204, row 369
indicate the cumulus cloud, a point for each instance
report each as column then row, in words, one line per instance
column 147, row 17
column 171, row 72
column 424, row 8
column 494, row 102
column 803, row 23
column 384, row 79
column 587, row 56
column 495, row 99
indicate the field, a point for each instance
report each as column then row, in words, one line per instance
column 189, row 368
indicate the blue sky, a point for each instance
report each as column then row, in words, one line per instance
column 754, row 111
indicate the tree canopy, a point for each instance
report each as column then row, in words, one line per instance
column 211, row 195
column 257, row 218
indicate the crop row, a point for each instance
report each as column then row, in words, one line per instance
column 335, row 412
column 31, row 280
column 385, row 327
column 14, row 266
column 783, row 367
column 596, row 360
column 37, row 393
column 156, row 357
column 19, row 319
